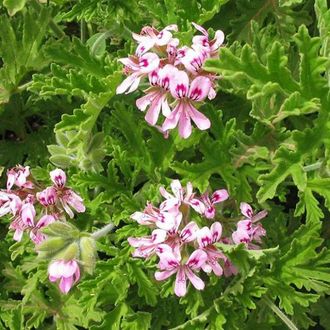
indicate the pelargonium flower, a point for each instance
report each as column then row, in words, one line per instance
column 18, row 176
column 67, row 272
column 184, row 110
column 146, row 246
column 156, row 95
column 181, row 196
column 210, row 46
column 151, row 37
column 35, row 234
column 67, row 197
column 137, row 68
column 206, row 238
column 170, row 264
column 247, row 231
column 217, row 197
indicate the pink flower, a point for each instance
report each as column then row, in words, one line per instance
column 137, row 67
column 210, row 46
column 182, row 196
column 58, row 177
column 67, row 197
column 48, row 196
column 170, row 264
column 217, row 197
column 18, row 176
column 156, row 97
column 146, row 246
column 159, row 217
column 67, row 272
column 194, row 59
column 35, row 234
column 184, row 110
column 9, row 203
column 27, row 214
column 247, row 231
column 206, row 238
column 150, row 37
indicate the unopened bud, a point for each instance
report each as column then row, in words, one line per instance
column 88, row 254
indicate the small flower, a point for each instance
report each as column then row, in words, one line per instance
column 35, row 234
column 18, row 176
column 181, row 196
column 170, row 264
column 159, row 217
column 210, row 46
column 217, row 197
column 206, row 238
column 67, row 272
column 146, row 246
column 150, row 37
column 184, row 110
column 137, row 67
column 156, row 97
column 48, row 196
column 247, row 231
column 58, row 177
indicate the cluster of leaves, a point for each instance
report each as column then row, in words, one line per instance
column 268, row 139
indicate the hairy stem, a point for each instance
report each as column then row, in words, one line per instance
column 103, row 231
column 313, row 167
column 280, row 314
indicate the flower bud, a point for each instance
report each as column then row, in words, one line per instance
column 69, row 253
column 61, row 229
column 88, row 254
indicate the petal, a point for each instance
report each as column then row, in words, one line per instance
column 218, row 40
column 204, row 237
column 146, row 44
column 246, row 210
column 160, row 276
column 166, row 111
column 54, row 269
column 172, row 120
column 177, row 189
column 201, row 121
column 134, row 85
column 18, row 235
column 209, row 212
column 199, row 88
column 189, row 232
column 126, row 83
column 219, row 196
column 197, row 205
column 216, row 231
column 197, row 259
column 200, row 28
column 171, row 27
column 45, row 221
column 212, row 94
column 11, row 177
column 68, row 268
column 179, row 86
column 163, row 37
column 158, row 236
column 164, row 193
column 27, row 214
column 180, row 287
column 152, row 114
column 58, row 177
column 167, row 75
column 194, row 279
column 143, row 102
column 259, row 216
column 66, row 284
column 240, row 236
column 148, row 62
column 184, row 125
column 217, row 269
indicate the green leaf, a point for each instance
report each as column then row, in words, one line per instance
column 136, row 321
column 14, row 6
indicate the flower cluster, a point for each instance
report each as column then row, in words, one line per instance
column 175, row 74
column 183, row 248
column 34, row 207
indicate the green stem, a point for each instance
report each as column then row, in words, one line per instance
column 313, row 167
column 280, row 314
column 53, row 26
column 83, row 31
column 103, row 231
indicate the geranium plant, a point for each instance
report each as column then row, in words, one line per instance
column 164, row 165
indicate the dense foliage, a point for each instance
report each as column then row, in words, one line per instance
column 268, row 145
